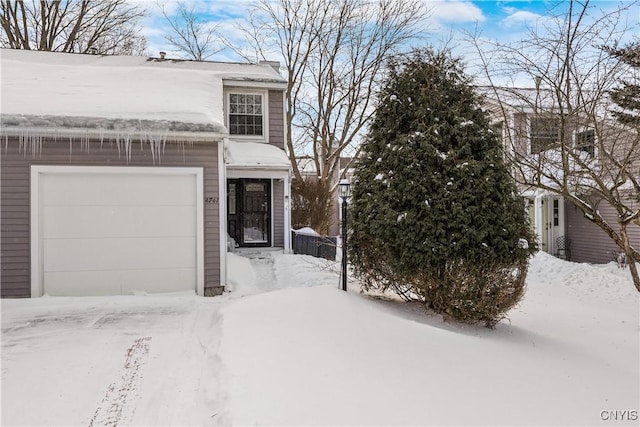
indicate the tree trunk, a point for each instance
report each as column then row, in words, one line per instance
column 633, row 269
column 631, row 261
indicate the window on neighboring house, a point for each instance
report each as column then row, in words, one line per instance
column 544, row 133
column 586, row 141
column 497, row 129
column 246, row 114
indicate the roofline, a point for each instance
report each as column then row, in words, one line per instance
column 109, row 134
column 254, row 83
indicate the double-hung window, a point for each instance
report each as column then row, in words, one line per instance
column 586, row 141
column 544, row 133
column 246, row 114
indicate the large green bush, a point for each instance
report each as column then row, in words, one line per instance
column 435, row 214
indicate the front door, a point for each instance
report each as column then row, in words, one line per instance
column 249, row 211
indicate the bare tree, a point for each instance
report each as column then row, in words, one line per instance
column 191, row 34
column 334, row 55
column 108, row 26
column 565, row 140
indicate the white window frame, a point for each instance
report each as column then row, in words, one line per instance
column 544, row 147
column 265, row 113
column 577, row 146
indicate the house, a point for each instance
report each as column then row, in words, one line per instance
column 532, row 128
column 127, row 174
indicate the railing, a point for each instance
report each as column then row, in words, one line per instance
column 316, row 246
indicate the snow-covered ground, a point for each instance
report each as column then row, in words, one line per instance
column 287, row 347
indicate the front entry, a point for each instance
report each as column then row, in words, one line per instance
column 546, row 215
column 249, row 211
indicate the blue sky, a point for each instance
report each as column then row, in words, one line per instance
column 501, row 20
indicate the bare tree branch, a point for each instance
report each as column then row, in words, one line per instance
column 191, row 34
column 110, row 26
column 574, row 78
column 334, row 54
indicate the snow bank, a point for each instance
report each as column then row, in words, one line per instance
column 307, row 353
column 307, row 231
column 240, row 273
column 324, row 357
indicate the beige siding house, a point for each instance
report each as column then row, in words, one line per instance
column 531, row 130
column 128, row 174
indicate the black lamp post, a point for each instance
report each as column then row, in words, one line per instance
column 344, row 192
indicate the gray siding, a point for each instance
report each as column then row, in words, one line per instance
column 15, row 280
column 276, row 118
column 278, row 213
column 588, row 242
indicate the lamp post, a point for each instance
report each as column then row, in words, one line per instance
column 344, row 192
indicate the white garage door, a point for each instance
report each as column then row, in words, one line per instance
column 115, row 230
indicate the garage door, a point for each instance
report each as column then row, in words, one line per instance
column 115, row 230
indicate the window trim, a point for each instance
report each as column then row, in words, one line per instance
column 543, row 147
column 265, row 113
column 581, row 147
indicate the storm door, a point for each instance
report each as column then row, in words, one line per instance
column 249, row 211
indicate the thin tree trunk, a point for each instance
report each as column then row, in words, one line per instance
column 631, row 262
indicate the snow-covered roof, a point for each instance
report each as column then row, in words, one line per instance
column 255, row 155
column 44, row 90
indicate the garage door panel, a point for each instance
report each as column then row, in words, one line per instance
column 118, row 221
column 117, row 230
column 103, row 189
column 118, row 254
column 95, row 283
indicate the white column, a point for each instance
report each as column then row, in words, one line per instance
column 287, row 215
column 537, row 212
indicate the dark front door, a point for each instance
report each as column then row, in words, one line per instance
column 249, row 211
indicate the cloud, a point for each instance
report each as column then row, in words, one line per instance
column 520, row 18
column 448, row 11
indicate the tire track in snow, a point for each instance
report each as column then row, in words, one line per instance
column 116, row 406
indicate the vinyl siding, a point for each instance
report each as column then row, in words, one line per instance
column 278, row 213
column 276, row 118
column 588, row 242
column 15, row 280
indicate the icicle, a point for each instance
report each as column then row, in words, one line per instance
column 152, row 146
column 23, row 143
column 128, row 148
column 118, row 144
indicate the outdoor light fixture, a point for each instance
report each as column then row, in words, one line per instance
column 344, row 191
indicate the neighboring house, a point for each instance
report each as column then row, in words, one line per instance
column 126, row 174
column 561, row 227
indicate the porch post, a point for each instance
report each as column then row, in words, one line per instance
column 287, row 214
column 537, row 212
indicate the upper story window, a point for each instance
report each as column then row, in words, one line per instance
column 544, row 133
column 497, row 129
column 246, row 114
column 586, row 141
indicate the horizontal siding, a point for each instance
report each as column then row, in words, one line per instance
column 15, row 196
column 276, row 118
column 588, row 242
column 278, row 213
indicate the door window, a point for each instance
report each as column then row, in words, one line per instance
column 249, row 211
